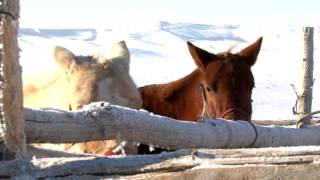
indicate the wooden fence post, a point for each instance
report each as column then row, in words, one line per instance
column 305, row 100
column 11, row 107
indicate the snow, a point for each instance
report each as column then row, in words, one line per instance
column 159, row 54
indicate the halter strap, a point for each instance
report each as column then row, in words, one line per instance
column 203, row 115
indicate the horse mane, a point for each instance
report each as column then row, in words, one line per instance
column 229, row 52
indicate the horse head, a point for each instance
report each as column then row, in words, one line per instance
column 98, row 77
column 227, row 81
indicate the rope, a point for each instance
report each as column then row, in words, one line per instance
column 256, row 134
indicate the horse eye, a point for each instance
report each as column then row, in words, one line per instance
column 209, row 89
column 212, row 88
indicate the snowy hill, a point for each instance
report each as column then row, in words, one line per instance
column 159, row 54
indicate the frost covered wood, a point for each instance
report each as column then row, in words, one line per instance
column 270, row 163
column 109, row 121
column 61, row 167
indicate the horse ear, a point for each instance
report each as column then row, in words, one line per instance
column 120, row 51
column 201, row 57
column 65, row 58
column 251, row 52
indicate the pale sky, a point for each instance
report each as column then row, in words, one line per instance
column 64, row 13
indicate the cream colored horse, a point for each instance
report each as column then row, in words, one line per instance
column 87, row 79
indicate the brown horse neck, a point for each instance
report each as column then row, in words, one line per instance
column 180, row 99
column 189, row 83
column 185, row 93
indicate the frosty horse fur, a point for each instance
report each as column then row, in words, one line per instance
column 87, row 79
column 226, row 81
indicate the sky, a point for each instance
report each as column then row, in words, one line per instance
column 88, row 13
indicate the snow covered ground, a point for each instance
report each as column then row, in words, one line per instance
column 159, row 54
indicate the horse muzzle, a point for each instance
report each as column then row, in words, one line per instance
column 235, row 114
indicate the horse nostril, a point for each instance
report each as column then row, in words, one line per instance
column 232, row 118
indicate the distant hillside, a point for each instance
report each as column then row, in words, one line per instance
column 159, row 54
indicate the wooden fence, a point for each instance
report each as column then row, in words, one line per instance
column 11, row 81
column 305, row 98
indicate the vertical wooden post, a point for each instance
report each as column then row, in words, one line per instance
column 11, row 80
column 305, row 100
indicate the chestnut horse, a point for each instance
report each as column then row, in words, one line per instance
column 220, row 87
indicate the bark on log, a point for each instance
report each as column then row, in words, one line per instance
column 236, row 172
column 270, row 163
column 61, row 167
column 12, row 80
column 111, row 121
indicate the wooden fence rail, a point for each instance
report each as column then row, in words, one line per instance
column 260, row 163
column 100, row 121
